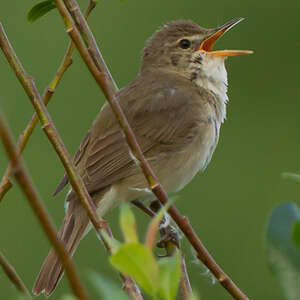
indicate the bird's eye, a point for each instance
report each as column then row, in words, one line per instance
column 184, row 43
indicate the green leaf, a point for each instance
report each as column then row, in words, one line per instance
column 169, row 276
column 138, row 261
column 40, row 10
column 283, row 255
column 106, row 288
column 296, row 234
column 128, row 224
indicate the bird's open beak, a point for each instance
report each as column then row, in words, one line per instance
column 208, row 43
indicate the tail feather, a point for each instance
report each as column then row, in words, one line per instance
column 71, row 232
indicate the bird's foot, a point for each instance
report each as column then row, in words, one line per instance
column 170, row 240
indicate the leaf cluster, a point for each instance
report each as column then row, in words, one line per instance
column 157, row 277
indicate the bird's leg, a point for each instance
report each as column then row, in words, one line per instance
column 169, row 240
column 169, row 235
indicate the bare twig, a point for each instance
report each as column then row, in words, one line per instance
column 91, row 42
column 131, row 288
column 5, row 183
column 185, row 286
column 157, row 189
column 144, row 208
column 32, row 196
column 11, row 273
column 51, row 132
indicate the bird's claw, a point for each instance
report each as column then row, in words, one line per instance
column 170, row 241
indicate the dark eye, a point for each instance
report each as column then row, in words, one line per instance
column 184, row 43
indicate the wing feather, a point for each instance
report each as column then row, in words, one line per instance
column 161, row 127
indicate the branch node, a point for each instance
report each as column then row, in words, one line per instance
column 73, row 8
column 155, row 186
column 70, row 62
column 186, row 220
column 222, row 278
column 45, row 126
column 16, row 169
column 92, row 4
column 103, row 224
column 69, row 30
column 51, row 91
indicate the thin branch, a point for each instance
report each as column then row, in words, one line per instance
column 144, row 208
column 77, row 184
column 185, row 285
column 6, row 184
column 131, row 288
column 13, row 276
column 89, row 40
column 154, row 184
column 29, row 190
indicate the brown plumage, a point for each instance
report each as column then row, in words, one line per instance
column 175, row 107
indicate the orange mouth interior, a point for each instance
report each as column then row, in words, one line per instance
column 208, row 43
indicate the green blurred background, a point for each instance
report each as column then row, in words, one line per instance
column 228, row 204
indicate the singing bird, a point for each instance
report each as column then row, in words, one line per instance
column 175, row 106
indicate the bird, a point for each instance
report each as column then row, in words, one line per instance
column 175, row 106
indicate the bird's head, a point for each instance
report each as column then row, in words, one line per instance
column 186, row 47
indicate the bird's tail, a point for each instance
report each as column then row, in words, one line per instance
column 72, row 230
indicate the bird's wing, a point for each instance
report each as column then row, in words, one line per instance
column 160, row 124
column 159, row 130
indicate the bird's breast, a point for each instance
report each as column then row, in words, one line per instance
column 185, row 164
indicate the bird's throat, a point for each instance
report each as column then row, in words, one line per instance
column 210, row 73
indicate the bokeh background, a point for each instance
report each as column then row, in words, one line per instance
column 229, row 204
